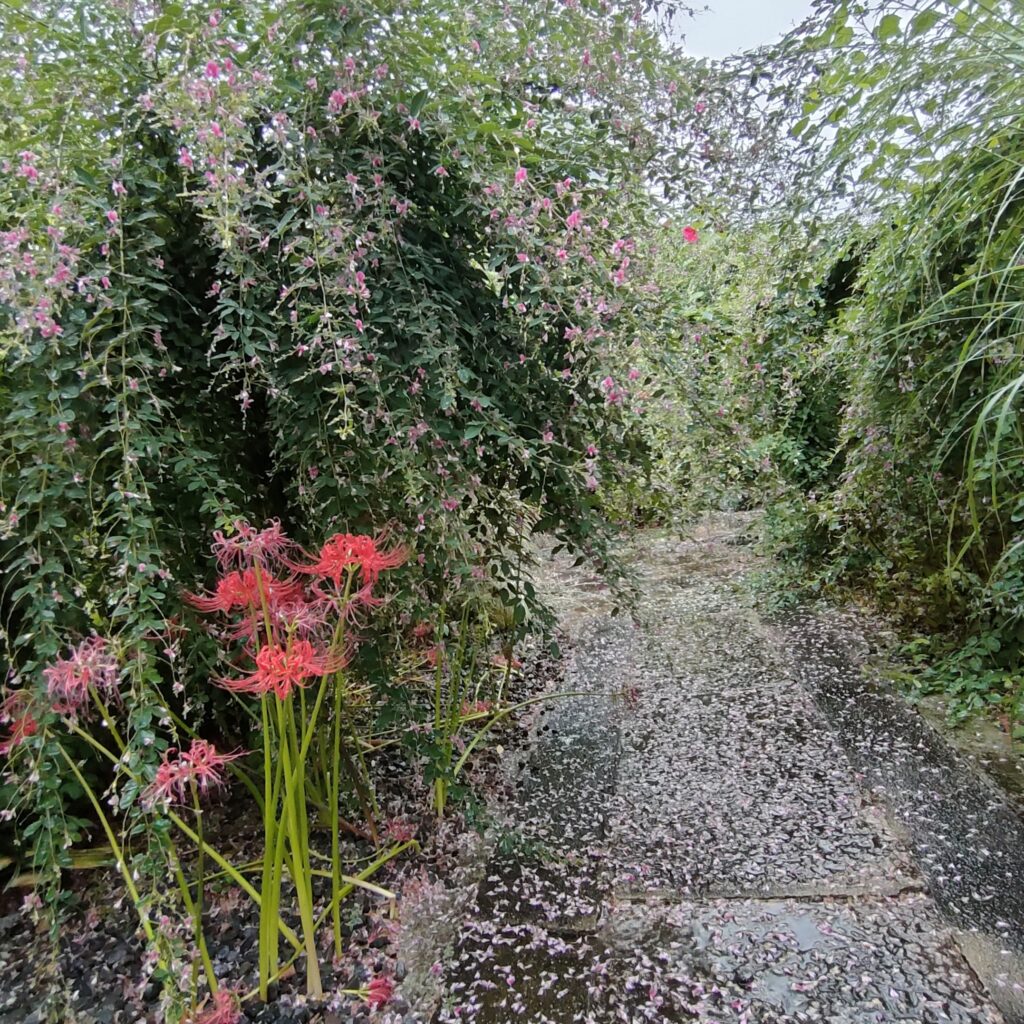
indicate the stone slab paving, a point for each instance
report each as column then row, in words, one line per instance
column 558, row 874
column 868, row 959
column 700, row 845
column 964, row 832
column 743, row 793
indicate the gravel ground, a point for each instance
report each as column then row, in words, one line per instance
column 724, row 837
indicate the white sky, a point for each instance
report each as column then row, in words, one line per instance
column 731, row 26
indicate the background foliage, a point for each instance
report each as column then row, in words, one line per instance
column 880, row 309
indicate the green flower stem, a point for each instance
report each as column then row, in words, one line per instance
column 115, row 847
column 298, row 856
column 335, row 775
column 271, row 877
column 105, row 751
column 363, row 789
column 195, row 912
column 360, row 881
column 505, row 712
column 108, row 719
column 182, row 884
column 200, row 842
column 440, row 786
column 236, row 876
column 268, row 934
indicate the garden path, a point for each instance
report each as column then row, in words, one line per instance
column 746, row 829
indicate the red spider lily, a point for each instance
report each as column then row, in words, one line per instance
column 422, row 630
column 225, row 1009
column 200, row 764
column 379, row 991
column 23, row 724
column 345, row 552
column 301, row 617
column 206, row 764
column 90, row 664
column 248, row 546
column 357, row 602
column 246, row 589
column 280, row 667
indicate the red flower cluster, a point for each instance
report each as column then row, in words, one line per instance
column 252, row 592
column 285, row 620
column 280, row 667
column 15, row 710
column 379, row 991
column 347, row 552
column 200, row 764
column 248, row 546
column 90, row 664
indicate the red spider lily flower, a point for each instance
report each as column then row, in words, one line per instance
column 300, row 617
column 200, row 764
column 169, row 782
column 379, row 991
column 422, row 630
column 225, row 1009
column 357, row 603
column 347, row 551
column 280, row 667
column 205, row 764
column 246, row 590
column 90, row 664
column 14, row 710
column 480, row 707
column 248, row 546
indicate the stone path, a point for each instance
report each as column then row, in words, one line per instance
column 743, row 829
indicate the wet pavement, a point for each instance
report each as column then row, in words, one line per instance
column 739, row 826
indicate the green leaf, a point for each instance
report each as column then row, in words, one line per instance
column 888, row 28
column 924, row 22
